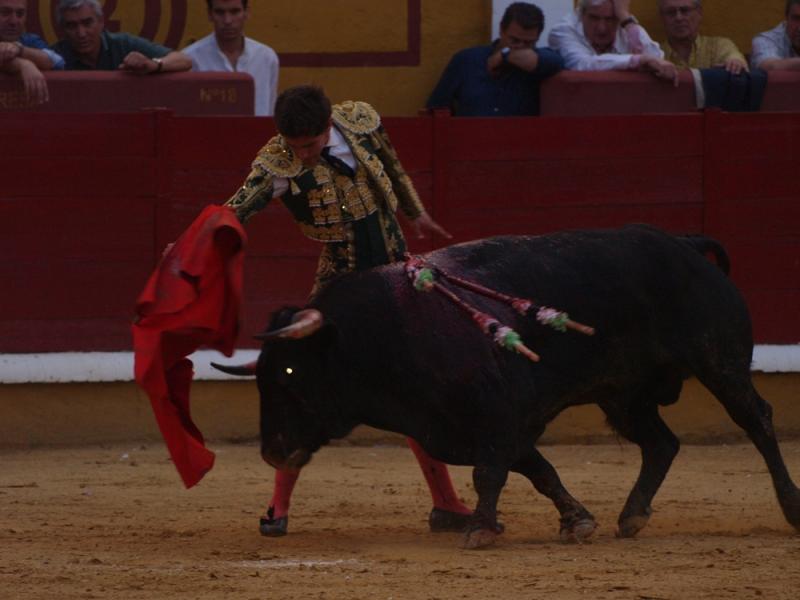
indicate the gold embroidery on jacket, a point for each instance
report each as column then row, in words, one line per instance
column 356, row 116
column 278, row 159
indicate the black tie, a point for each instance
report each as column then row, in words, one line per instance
column 337, row 163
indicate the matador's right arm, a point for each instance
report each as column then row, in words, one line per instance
column 273, row 165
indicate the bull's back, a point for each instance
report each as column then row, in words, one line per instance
column 653, row 299
column 650, row 295
column 416, row 363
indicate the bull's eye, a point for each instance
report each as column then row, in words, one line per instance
column 289, row 370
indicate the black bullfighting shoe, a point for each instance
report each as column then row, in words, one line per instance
column 271, row 527
column 441, row 520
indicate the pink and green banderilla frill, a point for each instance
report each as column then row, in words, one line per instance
column 424, row 278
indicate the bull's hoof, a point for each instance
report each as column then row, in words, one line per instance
column 274, row 527
column 578, row 531
column 479, row 538
column 790, row 503
column 441, row 520
column 630, row 526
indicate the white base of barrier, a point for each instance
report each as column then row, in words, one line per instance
column 88, row 367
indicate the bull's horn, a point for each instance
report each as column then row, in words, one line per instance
column 304, row 323
column 241, row 370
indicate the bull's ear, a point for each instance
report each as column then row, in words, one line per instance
column 304, row 323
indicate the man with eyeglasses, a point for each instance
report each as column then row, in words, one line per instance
column 779, row 48
column 686, row 48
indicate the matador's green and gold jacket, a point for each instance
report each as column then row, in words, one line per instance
column 355, row 217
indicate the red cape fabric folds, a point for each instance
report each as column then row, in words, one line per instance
column 191, row 300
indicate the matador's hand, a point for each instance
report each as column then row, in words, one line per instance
column 424, row 224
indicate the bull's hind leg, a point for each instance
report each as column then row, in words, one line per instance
column 754, row 414
column 577, row 523
column 640, row 422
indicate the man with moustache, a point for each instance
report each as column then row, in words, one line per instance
column 89, row 47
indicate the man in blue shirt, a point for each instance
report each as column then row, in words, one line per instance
column 89, row 47
column 502, row 79
column 25, row 54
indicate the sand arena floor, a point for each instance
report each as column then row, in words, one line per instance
column 115, row 522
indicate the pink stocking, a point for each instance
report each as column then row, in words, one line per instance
column 438, row 478
column 282, row 496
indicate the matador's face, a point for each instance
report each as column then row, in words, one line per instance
column 308, row 148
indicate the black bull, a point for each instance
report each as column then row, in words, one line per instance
column 386, row 355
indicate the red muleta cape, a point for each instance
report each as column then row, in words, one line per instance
column 191, row 300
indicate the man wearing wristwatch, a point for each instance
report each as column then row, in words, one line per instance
column 23, row 54
column 603, row 35
column 88, row 47
column 502, row 79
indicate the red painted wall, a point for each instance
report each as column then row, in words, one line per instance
column 88, row 201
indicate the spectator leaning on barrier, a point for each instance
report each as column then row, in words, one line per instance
column 227, row 49
column 502, row 79
column 779, row 48
column 603, row 35
column 88, row 47
column 686, row 48
column 25, row 54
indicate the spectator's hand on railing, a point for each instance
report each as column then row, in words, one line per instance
column 34, row 82
column 735, row 66
column 139, row 64
column 663, row 69
column 8, row 52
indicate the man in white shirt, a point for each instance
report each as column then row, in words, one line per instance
column 779, row 48
column 227, row 49
column 603, row 35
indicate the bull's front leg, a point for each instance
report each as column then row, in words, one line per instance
column 482, row 528
column 577, row 524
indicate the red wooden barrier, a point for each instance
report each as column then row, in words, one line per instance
column 88, row 202
column 753, row 204
column 112, row 91
column 570, row 93
column 580, row 94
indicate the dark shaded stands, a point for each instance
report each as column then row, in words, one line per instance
column 89, row 200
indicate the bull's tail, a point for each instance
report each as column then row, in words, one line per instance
column 247, row 370
column 704, row 245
